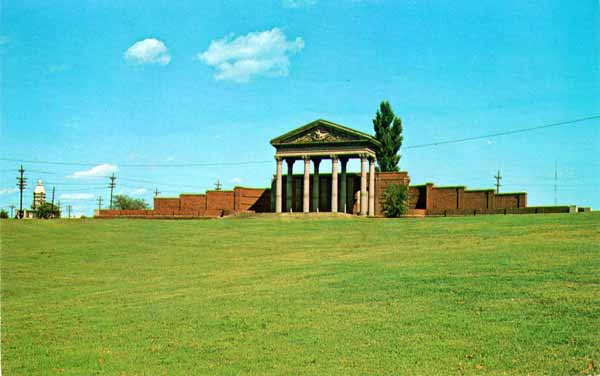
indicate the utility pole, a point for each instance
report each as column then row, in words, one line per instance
column 69, row 210
column 498, row 178
column 112, row 186
column 555, row 182
column 12, row 209
column 218, row 185
column 21, row 184
column 53, row 197
column 58, row 208
column 156, row 192
column 99, row 201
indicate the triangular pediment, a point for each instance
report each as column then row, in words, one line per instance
column 319, row 132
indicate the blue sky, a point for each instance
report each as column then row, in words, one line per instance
column 118, row 84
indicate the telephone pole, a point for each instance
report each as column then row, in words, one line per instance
column 112, row 186
column 53, row 197
column 12, row 209
column 156, row 192
column 498, row 178
column 99, row 201
column 218, row 185
column 69, row 210
column 21, row 184
column 58, row 204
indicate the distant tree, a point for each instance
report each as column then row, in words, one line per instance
column 3, row 214
column 395, row 200
column 124, row 202
column 47, row 210
column 388, row 131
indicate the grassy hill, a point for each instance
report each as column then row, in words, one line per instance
column 343, row 296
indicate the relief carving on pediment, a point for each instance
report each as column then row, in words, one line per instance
column 320, row 135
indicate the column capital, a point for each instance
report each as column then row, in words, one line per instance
column 372, row 158
column 334, row 157
column 316, row 160
column 306, row 157
column 278, row 158
column 290, row 161
column 363, row 156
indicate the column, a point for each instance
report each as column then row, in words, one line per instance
column 306, row 196
column 343, row 194
column 316, row 163
column 289, row 194
column 334, row 184
column 278, row 187
column 363, row 186
column 371, row 187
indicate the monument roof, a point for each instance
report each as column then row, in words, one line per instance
column 39, row 188
column 323, row 132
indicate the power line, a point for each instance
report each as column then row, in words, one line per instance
column 145, row 165
column 241, row 163
column 514, row 131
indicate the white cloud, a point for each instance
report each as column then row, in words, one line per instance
column 102, row 170
column 148, row 51
column 76, row 196
column 7, row 191
column 236, row 180
column 298, row 3
column 257, row 53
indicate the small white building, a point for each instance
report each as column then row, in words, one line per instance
column 39, row 195
column 39, row 198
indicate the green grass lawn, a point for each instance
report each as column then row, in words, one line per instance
column 340, row 296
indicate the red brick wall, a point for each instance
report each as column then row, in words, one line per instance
column 192, row 203
column 417, row 196
column 511, row 200
column 166, row 204
column 382, row 180
column 445, row 197
column 252, row 199
column 220, row 200
column 478, row 199
column 436, row 200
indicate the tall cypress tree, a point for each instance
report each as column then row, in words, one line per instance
column 388, row 130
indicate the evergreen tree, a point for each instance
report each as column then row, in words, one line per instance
column 388, row 131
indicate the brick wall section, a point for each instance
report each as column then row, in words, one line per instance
column 417, row 196
column 429, row 198
column 220, row 200
column 192, row 204
column 382, row 180
column 511, row 200
column 446, row 197
column 166, row 204
column 252, row 199
column 479, row 199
